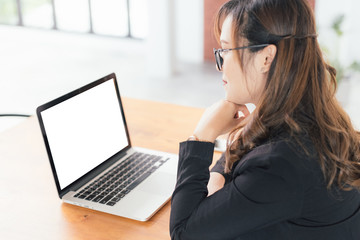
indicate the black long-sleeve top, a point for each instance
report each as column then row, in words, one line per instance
column 275, row 192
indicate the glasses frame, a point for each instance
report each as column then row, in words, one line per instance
column 220, row 60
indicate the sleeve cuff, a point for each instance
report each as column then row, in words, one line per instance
column 190, row 150
column 198, row 148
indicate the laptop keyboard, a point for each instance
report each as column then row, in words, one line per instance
column 121, row 179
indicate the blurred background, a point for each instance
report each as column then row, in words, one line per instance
column 161, row 50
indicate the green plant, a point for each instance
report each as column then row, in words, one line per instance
column 341, row 70
column 8, row 12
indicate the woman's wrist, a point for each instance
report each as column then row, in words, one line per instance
column 201, row 138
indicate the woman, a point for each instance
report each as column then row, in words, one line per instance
column 292, row 167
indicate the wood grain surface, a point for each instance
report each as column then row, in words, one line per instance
column 29, row 205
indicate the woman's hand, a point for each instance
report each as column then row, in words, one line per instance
column 219, row 119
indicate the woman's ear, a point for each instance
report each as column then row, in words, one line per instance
column 266, row 57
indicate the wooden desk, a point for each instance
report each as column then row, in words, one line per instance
column 29, row 205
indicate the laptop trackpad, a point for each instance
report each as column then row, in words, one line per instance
column 160, row 183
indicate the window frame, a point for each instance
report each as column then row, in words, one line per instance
column 91, row 31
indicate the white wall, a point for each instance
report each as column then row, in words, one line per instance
column 175, row 35
column 189, row 31
column 160, row 39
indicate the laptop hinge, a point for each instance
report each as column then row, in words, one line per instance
column 94, row 173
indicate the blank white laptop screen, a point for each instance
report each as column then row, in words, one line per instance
column 84, row 131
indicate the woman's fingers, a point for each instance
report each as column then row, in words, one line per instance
column 241, row 111
column 244, row 110
column 219, row 119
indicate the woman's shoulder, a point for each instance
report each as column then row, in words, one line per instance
column 279, row 164
column 284, row 143
column 296, row 153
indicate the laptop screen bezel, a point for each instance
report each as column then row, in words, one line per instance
column 106, row 163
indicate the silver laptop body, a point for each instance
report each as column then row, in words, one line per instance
column 91, row 157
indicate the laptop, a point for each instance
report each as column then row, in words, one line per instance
column 92, row 160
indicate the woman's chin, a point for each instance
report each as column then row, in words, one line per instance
column 235, row 100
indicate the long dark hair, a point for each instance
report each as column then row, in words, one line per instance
column 299, row 95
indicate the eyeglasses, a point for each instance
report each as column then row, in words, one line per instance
column 219, row 53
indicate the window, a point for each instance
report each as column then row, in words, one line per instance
column 37, row 13
column 138, row 18
column 121, row 18
column 72, row 15
column 110, row 17
column 8, row 12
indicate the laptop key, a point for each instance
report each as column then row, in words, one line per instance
column 97, row 199
column 125, row 191
column 91, row 197
column 121, row 195
column 153, row 169
column 107, row 190
column 115, row 199
column 139, row 180
column 111, row 203
column 112, row 194
column 116, row 191
column 106, row 199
